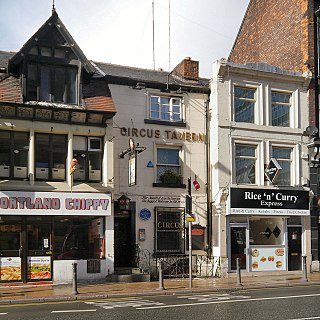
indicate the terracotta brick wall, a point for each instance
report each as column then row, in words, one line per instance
column 278, row 32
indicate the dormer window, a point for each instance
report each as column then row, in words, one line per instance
column 51, row 83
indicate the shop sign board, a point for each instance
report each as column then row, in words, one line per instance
column 250, row 201
column 268, row 258
column 54, row 203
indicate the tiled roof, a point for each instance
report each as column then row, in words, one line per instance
column 10, row 90
column 148, row 75
column 100, row 103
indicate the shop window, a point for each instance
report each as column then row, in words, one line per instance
column 266, row 231
column 88, row 152
column 245, row 163
column 169, row 230
column 244, row 104
column 280, row 108
column 50, row 156
column 51, row 83
column 14, row 148
column 284, row 158
column 165, row 108
column 168, row 166
column 78, row 238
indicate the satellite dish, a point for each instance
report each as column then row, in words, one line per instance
column 311, row 131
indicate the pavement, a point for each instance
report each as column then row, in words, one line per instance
column 14, row 293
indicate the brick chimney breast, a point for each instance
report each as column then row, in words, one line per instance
column 187, row 69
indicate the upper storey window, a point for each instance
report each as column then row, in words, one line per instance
column 166, row 108
column 51, row 83
column 244, row 102
column 280, row 108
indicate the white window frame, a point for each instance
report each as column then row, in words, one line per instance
column 171, row 97
column 164, row 146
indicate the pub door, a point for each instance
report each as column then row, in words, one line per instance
column 294, row 248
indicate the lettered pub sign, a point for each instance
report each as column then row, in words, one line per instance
column 269, row 202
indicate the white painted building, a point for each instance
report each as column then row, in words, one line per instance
column 164, row 115
column 259, row 120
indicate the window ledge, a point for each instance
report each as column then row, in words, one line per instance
column 166, row 123
column 169, row 185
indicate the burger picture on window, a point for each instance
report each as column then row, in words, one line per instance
column 279, row 264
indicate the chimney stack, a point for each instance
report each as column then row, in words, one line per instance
column 187, row 69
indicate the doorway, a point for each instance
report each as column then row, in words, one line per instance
column 124, row 236
column 238, row 246
column 294, row 248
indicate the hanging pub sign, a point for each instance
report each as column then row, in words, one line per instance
column 272, row 170
column 269, row 202
column 132, row 169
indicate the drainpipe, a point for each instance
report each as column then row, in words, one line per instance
column 208, row 173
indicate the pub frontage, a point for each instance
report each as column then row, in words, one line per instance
column 267, row 229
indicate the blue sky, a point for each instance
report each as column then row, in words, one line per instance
column 120, row 31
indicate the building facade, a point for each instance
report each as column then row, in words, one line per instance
column 159, row 143
column 259, row 164
column 286, row 34
column 56, row 161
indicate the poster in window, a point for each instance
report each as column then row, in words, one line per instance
column 39, row 268
column 132, row 170
column 10, row 268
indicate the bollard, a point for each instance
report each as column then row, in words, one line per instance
column 74, row 279
column 238, row 264
column 161, row 286
column 304, row 268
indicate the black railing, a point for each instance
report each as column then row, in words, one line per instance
column 142, row 259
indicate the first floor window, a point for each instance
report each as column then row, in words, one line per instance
column 14, row 149
column 284, row 157
column 166, row 108
column 88, row 152
column 280, row 108
column 244, row 104
column 169, row 230
column 168, row 166
column 50, row 156
column 245, row 163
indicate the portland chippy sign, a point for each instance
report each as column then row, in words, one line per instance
column 53, row 203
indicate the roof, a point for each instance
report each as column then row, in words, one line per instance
column 130, row 75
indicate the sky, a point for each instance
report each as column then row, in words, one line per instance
column 121, row 31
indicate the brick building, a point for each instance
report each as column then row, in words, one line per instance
column 284, row 34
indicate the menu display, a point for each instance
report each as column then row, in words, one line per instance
column 272, row 258
column 10, row 268
column 39, row 268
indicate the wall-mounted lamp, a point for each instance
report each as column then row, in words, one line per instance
column 89, row 131
column 51, row 129
column 139, row 86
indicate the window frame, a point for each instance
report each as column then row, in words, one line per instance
column 180, row 231
column 87, row 153
column 290, row 106
column 280, row 160
column 14, row 149
column 69, row 71
column 255, row 158
column 170, row 112
column 169, row 181
column 254, row 101
column 51, row 152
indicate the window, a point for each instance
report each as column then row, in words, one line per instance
column 168, row 166
column 284, row 158
column 51, row 83
column 14, row 148
column 88, row 152
column 50, row 156
column 245, row 163
column 165, row 108
column 280, row 108
column 169, row 230
column 244, row 102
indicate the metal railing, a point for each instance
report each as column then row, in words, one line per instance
column 142, row 259
column 177, row 266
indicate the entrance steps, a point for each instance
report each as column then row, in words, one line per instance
column 128, row 275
